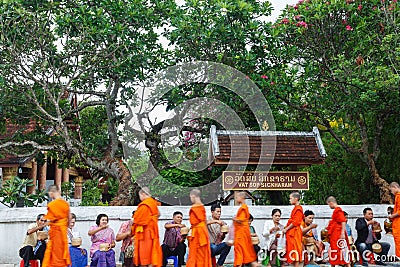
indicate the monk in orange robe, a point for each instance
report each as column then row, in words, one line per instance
column 57, row 251
column 199, row 243
column 395, row 216
column 339, row 250
column 145, row 230
column 243, row 247
column 293, row 231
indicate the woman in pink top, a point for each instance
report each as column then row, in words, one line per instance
column 102, row 234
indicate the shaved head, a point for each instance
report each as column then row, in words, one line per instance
column 145, row 190
column 195, row 192
column 144, row 193
column 331, row 199
column 295, row 195
column 54, row 192
column 241, row 194
column 53, row 188
column 195, row 196
column 394, row 188
column 240, row 197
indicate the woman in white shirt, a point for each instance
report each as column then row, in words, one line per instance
column 71, row 230
column 271, row 228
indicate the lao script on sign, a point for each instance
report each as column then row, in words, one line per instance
column 254, row 180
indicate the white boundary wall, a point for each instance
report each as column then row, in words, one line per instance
column 14, row 222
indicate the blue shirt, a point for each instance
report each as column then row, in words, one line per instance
column 77, row 258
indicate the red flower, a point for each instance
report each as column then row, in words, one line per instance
column 359, row 7
column 285, row 21
column 264, row 77
column 349, row 28
column 302, row 24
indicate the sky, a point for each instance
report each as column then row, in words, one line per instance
column 278, row 6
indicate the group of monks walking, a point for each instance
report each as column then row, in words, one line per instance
column 148, row 252
column 147, row 244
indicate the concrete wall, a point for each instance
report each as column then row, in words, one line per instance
column 14, row 222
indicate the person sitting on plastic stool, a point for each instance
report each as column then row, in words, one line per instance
column 174, row 241
column 218, row 247
column 34, row 245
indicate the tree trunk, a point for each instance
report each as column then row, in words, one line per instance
column 377, row 180
column 125, row 196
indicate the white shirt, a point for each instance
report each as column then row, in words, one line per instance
column 270, row 237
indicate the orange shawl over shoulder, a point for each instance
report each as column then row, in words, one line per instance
column 243, row 247
column 199, row 243
column 145, row 229
column 339, row 249
column 396, row 224
column 57, row 251
column 294, row 236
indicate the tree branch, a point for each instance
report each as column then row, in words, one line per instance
column 29, row 143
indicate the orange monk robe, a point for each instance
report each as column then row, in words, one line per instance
column 243, row 247
column 339, row 250
column 57, row 251
column 199, row 242
column 294, row 236
column 145, row 229
column 396, row 224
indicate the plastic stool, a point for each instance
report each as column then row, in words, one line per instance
column 175, row 259
column 32, row 263
column 370, row 257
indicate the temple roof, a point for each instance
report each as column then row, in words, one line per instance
column 9, row 160
column 265, row 147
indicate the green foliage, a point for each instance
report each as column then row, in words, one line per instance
column 229, row 32
column 138, row 165
column 337, row 66
column 341, row 69
column 13, row 192
column 91, row 194
column 112, row 185
column 343, row 175
column 334, row 64
column 94, row 132
column 67, row 190
column 55, row 54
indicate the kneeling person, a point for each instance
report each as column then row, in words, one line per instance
column 174, row 240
